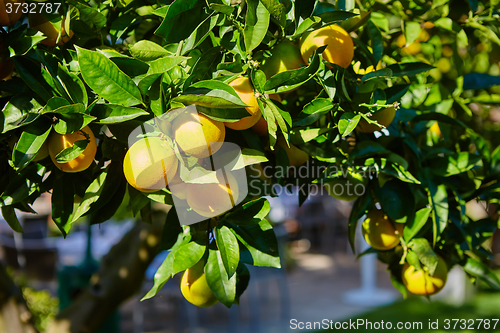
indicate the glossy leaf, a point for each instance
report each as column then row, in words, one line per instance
column 228, row 249
column 256, row 24
column 223, row 286
column 31, row 140
column 106, row 79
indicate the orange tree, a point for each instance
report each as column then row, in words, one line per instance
column 352, row 98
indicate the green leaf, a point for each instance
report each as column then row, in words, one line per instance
column 100, row 213
column 187, row 255
column 106, row 79
column 313, row 112
column 482, row 272
column 171, row 230
column 115, row 113
column 72, row 152
column 71, row 122
column 256, row 24
column 365, row 149
column 289, row 80
column 425, row 254
column 32, row 75
column 70, row 86
column 399, row 286
column 31, row 140
column 92, row 194
column 223, row 286
column 165, row 64
column 181, row 19
column 146, row 50
column 396, row 199
column 224, row 9
column 377, row 41
column 359, row 208
column 249, row 213
column 409, row 68
column 306, row 24
column 348, row 122
column 412, row 227
column 260, row 246
column 242, row 280
column 9, row 214
column 23, row 184
column 384, row 72
column 211, row 94
column 20, row 46
column 277, row 11
column 90, row 15
column 438, row 199
column 333, row 16
column 62, row 203
column 21, row 110
column 165, row 271
column 412, row 30
column 249, row 156
column 228, row 248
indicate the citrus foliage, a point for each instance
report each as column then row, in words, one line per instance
column 367, row 106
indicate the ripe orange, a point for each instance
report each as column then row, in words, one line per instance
column 8, row 19
column 198, row 135
column 245, row 91
column 178, row 187
column 58, row 142
column 149, row 164
column 194, row 286
column 420, row 282
column 213, row 199
column 39, row 22
column 285, row 56
column 379, row 232
column 383, row 117
column 340, row 49
column 295, row 155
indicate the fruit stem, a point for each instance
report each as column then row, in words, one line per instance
column 179, row 48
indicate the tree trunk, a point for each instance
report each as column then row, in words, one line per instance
column 14, row 314
column 120, row 277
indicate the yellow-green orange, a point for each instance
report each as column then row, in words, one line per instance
column 339, row 50
column 213, row 199
column 194, row 287
column 379, row 232
column 149, row 164
column 347, row 188
column 58, row 142
column 43, row 152
column 198, row 135
column 285, row 56
column 383, row 117
column 420, row 282
column 296, row 156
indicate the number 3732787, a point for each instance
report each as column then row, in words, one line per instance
column 32, row 7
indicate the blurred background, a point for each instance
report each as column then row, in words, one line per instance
column 321, row 278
